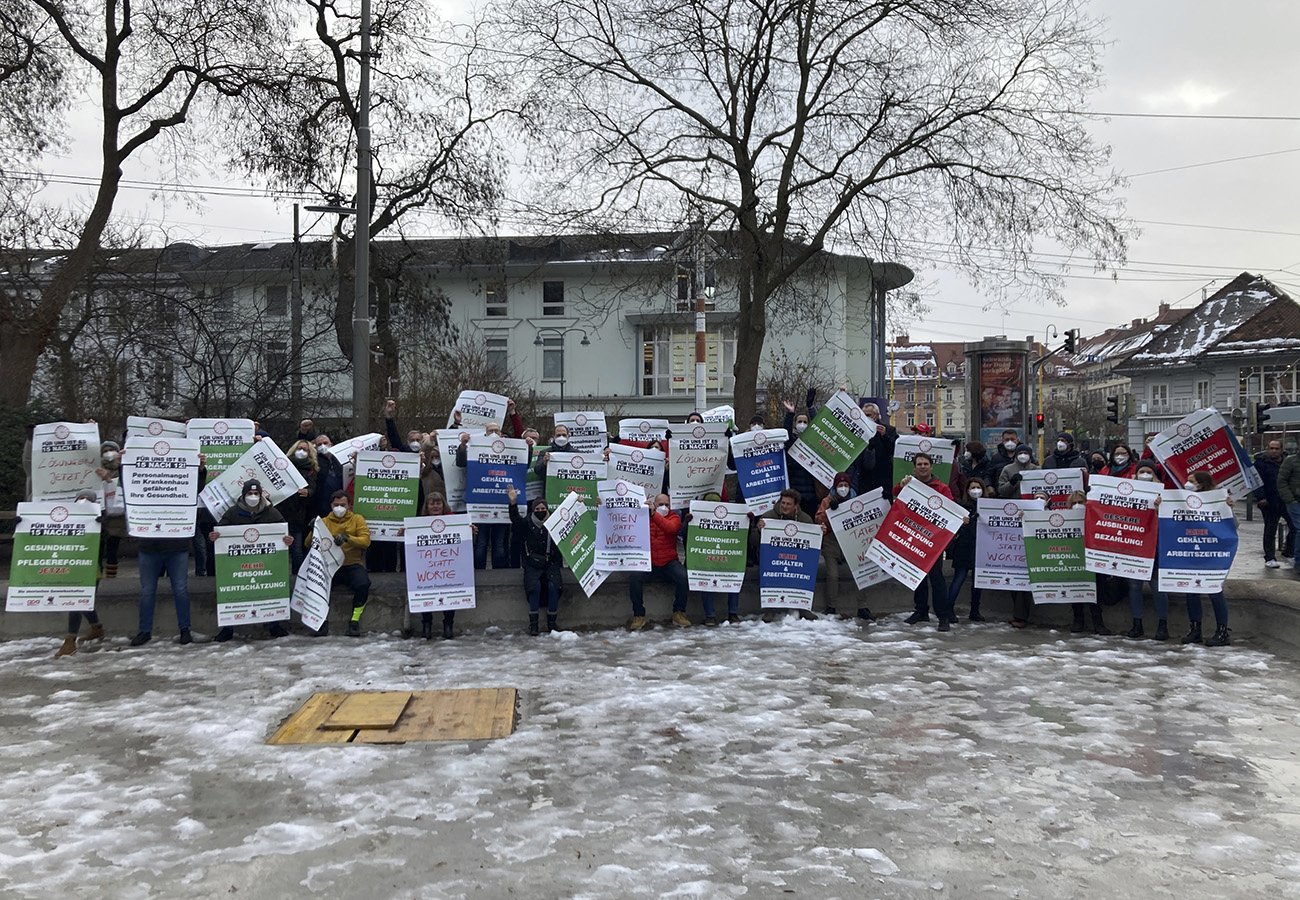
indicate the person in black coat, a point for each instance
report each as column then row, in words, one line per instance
column 975, row 463
column 1269, row 501
column 961, row 552
column 250, row 508
column 877, row 469
column 543, row 564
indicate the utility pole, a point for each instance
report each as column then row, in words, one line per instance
column 697, row 281
column 361, row 297
column 295, row 325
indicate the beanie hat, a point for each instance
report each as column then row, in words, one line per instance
column 842, row 478
column 109, row 445
column 1066, row 436
column 757, row 419
column 250, row 484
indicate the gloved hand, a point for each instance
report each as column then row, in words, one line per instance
column 340, row 539
column 811, row 397
column 1015, row 478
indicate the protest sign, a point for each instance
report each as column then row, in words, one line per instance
column 725, row 414
column 940, row 451
column 717, row 546
column 576, row 473
column 493, row 464
column 263, row 462
column 1197, row 542
column 532, row 478
column 311, row 589
column 1203, row 442
column 644, row 430
column 453, row 476
column 1056, row 484
column 221, row 441
column 760, row 467
column 788, row 554
column 1119, row 535
column 385, row 491
column 622, row 528
column 252, row 580
column 855, row 523
column 833, row 439
column 640, row 465
column 1054, row 556
column 697, row 461
column 587, row 431
column 55, row 557
column 65, row 457
column 160, row 484
column 572, row 525
column 151, row 428
column 910, row 542
column 345, row 451
column 1000, row 544
column 439, row 563
column 478, row 408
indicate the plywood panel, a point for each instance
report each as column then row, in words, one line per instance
column 464, row 715
column 303, row 727
column 369, row 710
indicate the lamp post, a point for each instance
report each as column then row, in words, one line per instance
column 702, row 299
column 560, row 333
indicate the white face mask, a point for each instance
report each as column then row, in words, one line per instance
column 661, row 509
column 300, row 454
column 1009, row 445
column 110, row 455
column 1146, row 476
column 414, row 445
column 800, row 427
column 1022, row 458
column 340, row 511
column 842, row 490
column 1121, row 460
column 1062, row 446
column 975, row 492
column 561, row 440
column 755, row 427
column 252, row 499
column 1190, row 485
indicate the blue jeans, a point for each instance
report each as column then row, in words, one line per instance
column 1135, row 597
column 297, row 550
column 538, row 580
column 176, row 564
column 498, row 537
column 710, row 598
column 1218, row 601
column 959, row 577
column 1293, row 510
column 673, row 572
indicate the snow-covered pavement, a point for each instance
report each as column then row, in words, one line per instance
column 811, row 759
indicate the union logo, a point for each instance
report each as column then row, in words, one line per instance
column 1056, row 520
column 498, row 446
column 59, row 513
column 61, row 432
column 581, row 419
column 791, row 530
column 221, row 428
column 251, row 535
column 162, row 448
column 934, row 502
column 155, row 428
column 437, row 526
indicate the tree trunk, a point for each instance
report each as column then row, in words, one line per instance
column 19, row 354
column 751, row 329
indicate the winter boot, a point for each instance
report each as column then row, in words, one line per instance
column 532, row 624
column 1099, row 622
column 918, row 616
column 354, row 626
column 185, row 637
column 803, row 614
column 1077, row 626
column 110, row 570
column 733, row 619
column 277, row 630
column 69, row 646
column 1193, row 635
column 551, row 623
column 830, row 610
column 710, row 622
column 426, row 626
column 96, row 633
column 142, row 637
column 680, row 620
column 943, row 624
column 224, row 635
column 1219, row 638
column 866, row 614
column 447, row 628
column 1162, row 630
column 1136, row 631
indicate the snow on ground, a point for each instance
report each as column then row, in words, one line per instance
column 804, row 758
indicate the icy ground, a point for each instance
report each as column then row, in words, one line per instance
column 805, row 759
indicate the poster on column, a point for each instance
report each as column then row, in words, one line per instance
column 1056, row 484
column 1119, row 536
column 439, row 563
column 160, row 484
column 153, row 429
column 717, row 546
column 622, row 528
column 640, row 465
column 587, row 431
column 385, row 491
column 760, row 467
column 642, row 430
column 252, row 580
column 788, row 554
column 221, row 441
column 1054, row 556
column 65, row 457
column 55, row 557
column 493, row 465
column 346, row 451
column 833, row 439
column 311, row 589
column 940, row 451
column 919, row 526
column 453, row 476
column 1000, row 544
column 573, row 473
column 572, row 525
column 1203, row 442
column 1198, row 541
column 478, row 408
column 263, row 462
column 855, row 523
column 697, row 461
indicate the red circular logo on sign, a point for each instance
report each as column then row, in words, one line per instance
column 1195, row 502
column 934, row 502
column 1010, row 509
column 59, row 513
column 155, row 428
column 720, row 512
column 221, row 428
column 437, row 526
column 162, row 448
column 1056, row 520
column 637, row 456
column 251, row 535
column 791, row 530
column 61, row 432
column 855, row 412
column 581, row 419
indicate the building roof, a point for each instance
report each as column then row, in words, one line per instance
column 1114, row 345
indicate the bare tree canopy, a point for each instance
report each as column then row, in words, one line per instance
column 815, row 124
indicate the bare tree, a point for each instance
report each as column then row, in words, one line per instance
column 803, row 125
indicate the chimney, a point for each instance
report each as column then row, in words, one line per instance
column 901, row 340
column 1164, row 308
column 1136, row 323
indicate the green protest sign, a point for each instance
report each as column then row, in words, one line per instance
column 252, row 578
column 833, row 439
column 717, row 546
column 940, row 451
column 572, row 525
column 222, row 441
column 55, row 558
column 578, row 473
column 386, row 489
column 1055, row 556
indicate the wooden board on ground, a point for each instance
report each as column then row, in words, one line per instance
column 474, row 714
column 369, row 709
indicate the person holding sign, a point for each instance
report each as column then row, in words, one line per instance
column 1203, row 482
column 110, row 473
column 935, row 584
column 787, row 509
column 350, row 532
column 252, row 508
column 961, row 551
column 543, row 564
column 1009, row 478
column 496, row 536
column 1066, row 457
column 664, row 565
column 832, row 555
column 559, row 444
column 1148, row 470
column 436, row 505
column 72, row 638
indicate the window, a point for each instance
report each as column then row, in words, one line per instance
column 929, row 419
column 947, row 397
column 668, row 359
column 162, row 381
column 494, row 300
column 683, row 286
column 552, row 358
column 497, row 351
column 1203, row 393
column 911, row 419
column 1159, row 394
column 909, row 369
column 952, row 368
column 907, row 395
column 219, row 302
column 277, row 300
column 929, row 395
column 947, row 420
column 276, row 358
column 552, row 298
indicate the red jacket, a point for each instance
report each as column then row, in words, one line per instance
column 663, row 537
column 934, row 485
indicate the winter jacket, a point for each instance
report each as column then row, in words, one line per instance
column 540, row 552
column 1008, row 483
column 800, row 478
column 933, row 484
column 357, row 532
column 961, row 550
column 299, row 510
column 1268, row 470
column 983, row 468
column 1288, row 480
column 799, row 516
column 1070, row 459
column 328, row 480
column 1129, row 470
column 878, row 472
column 240, row 515
column 663, row 537
column 832, row 501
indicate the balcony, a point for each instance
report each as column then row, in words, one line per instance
column 1163, row 408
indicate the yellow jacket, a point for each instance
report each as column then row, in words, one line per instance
column 356, row 530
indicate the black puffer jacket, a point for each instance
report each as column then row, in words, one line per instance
column 540, row 552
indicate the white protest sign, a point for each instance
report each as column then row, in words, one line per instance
column 788, row 556
column 439, row 563
column 65, row 457
column 854, row 524
column 263, row 462
column 642, row 429
column 1055, row 484
column 587, row 431
column 55, row 557
column 1000, row 544
column 453, row 476
column 344, row 451
column 493, row 465
column 160, row 483
column 697, row 461
column 642, row 466
column 149, row 427
column 222, row 441
column 478, row 408
column 622, row 528
column 311, row 590
column 760, row 467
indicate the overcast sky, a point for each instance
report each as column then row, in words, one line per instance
column 1166, row 56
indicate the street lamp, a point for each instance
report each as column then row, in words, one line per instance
column 560, row 333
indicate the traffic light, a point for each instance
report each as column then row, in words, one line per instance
column 1262, row 417
column 1112, row 409
column 1039, row 419
column 1071, row 339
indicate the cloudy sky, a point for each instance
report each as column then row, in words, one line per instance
column 1200, row 224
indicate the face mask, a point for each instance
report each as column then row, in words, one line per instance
column 85, row 501
column 1145, row 476
column 110, row 455
column 661, row 509
column 1190, row 485
column 1022, row 458
column 252, row 499
column 414, row 445
column 976, row 492
column 1121, row 460
column 561, row 440
column 800, row 427
column 1062, row 446
column 340, row 511
column 756, row 427
column 1009, row 445
column 539, row 514
column 300, row 454
column 842, row 490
